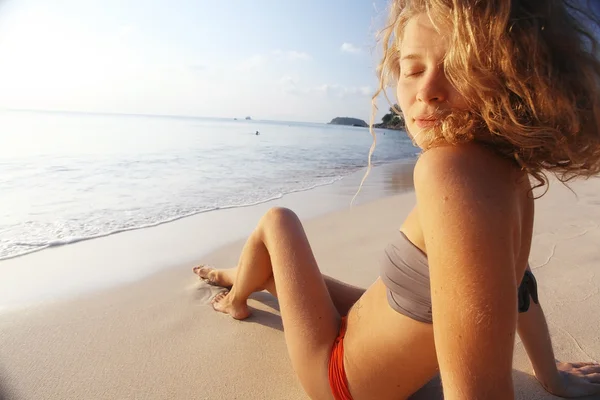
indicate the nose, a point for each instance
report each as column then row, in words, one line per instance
column 434, row 88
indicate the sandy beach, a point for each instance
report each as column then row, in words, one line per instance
column 156, row 336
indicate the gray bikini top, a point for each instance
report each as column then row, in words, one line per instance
column 405, row 273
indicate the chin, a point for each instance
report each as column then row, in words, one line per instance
column 415, row 138
column 412, row 133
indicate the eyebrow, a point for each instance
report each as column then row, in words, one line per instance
column 411, row 57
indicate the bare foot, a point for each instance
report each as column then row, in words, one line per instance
column 222, row 303
column 214, row 276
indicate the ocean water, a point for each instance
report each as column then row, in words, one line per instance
column 66, row 177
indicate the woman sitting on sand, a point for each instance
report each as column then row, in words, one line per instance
column 495, row 92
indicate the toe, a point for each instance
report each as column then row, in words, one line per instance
column 218, row 297
column 202, row 271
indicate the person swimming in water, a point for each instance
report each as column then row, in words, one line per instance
column 494, row 92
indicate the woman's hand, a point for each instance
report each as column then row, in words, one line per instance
column 574, row 379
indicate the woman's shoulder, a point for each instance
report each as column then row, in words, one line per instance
column 469, row 197
column 468, row 166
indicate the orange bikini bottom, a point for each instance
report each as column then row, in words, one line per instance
column 337, row 374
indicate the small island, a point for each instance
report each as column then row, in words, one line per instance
column 348, row 121
column 248, row 118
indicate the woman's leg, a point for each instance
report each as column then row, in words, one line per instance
column 278, row 251
column 342, row 294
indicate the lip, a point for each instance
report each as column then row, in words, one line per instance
column 426, row 122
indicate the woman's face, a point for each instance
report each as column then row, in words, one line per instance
column 423, row 91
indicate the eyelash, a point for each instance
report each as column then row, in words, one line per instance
column 413, row 74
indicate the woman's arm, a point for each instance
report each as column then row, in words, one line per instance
column 559, row 378
column 465, row 212
column 534, row 334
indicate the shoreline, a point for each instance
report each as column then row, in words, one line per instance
column 66, row 242
column 127, row 256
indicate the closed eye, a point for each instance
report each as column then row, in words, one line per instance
column 411, row 74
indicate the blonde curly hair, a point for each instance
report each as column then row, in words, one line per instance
column 530, row 72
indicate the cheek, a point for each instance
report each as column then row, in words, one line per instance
column 404, row 97
column 457, row 101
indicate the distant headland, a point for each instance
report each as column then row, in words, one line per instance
column 392, row 120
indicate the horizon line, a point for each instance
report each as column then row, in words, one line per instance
column 117, row 114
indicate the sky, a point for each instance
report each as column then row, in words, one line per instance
column 302, row 60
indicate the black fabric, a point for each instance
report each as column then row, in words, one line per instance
column 527, row 290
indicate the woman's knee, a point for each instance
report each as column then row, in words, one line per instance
column 278, row 225
column 278, row 216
